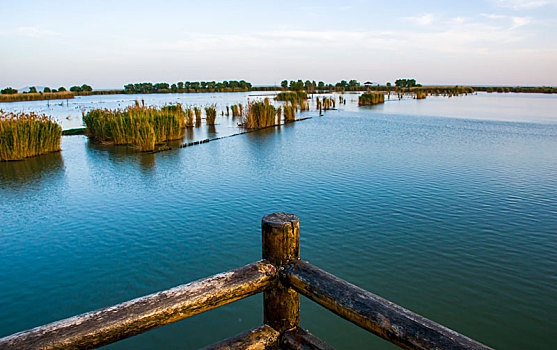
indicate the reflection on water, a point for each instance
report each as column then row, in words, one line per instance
column 121, row 156
column 189, row 134
column 211, row 131
column 40, row 171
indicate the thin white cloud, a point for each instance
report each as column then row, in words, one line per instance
column 423, row 20
column 515, row 21
column 525, row 4
column 34, row 32
column 462, row 35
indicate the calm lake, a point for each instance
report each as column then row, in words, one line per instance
column 446, row 206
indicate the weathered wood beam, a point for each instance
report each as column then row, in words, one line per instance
column 300, row 339
column 104, row 326
column 260, row 338
column 371, row 312
column 281, row 244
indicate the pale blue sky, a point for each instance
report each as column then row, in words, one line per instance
column 110, row 43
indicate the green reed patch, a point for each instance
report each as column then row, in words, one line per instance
column 420, row 95
column 139, row 126
column 369, row 99
column 197, row 112
column 293, row 97
column 25, row 135
column 260, row 115
column 289, row 112
column 210, row 115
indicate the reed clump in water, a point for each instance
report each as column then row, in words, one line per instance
column 260, row 115
column 25, row 135
column 293, row 97
column 188, row 118
column 369, row 99
column 289, row 112
column 420, row 95
column 304, row 105
column 328, row 103
column 139, row 126
column 197, row 112
column 237, row 110
column 279, row 115
column 210, row 115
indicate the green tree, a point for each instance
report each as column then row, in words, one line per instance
column 32, row 89
column 75, row 89
column 8, row 91
column 284, row 84
column 61, row 89
column 46, row 89
column 86, row 87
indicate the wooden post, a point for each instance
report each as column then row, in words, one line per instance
column 281, row 244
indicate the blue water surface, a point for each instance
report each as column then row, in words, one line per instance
column 446, row 206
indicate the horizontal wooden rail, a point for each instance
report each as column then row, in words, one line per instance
column 300, row 339
column 371, row 312
column 263, row 337
column 104, row 326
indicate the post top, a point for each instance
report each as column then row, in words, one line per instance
column 279, row 219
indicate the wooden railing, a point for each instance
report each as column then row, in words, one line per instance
column 281, row 276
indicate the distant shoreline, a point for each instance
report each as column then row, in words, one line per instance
column 431, row 89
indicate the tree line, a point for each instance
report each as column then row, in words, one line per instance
column 33, row 90
column 188, row 86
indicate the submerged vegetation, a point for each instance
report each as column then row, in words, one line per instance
column 140, row 126
column 260, row 115
column 25, row 135
column 369, row 99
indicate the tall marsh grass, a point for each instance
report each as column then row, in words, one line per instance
column 210, row 115
column 420, row 95
column 197, row 112
column 369, row 99
column 289, row 112
column 260, row 115
column 293, row 97
column 25, row 135
column 237, row 110
column 188, row 118
column 139, row 126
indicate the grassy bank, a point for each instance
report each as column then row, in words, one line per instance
column 25, row 135
column 37, row 96
column 139, row 126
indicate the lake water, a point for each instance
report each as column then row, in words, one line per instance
column 446, row 206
